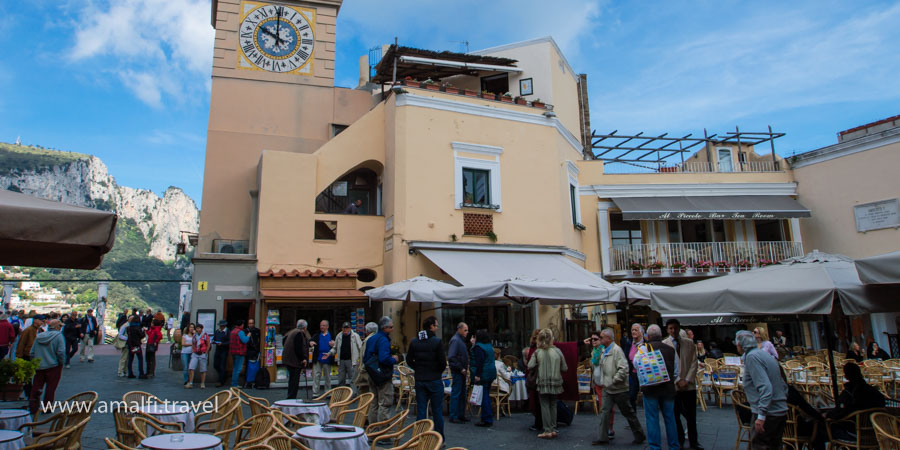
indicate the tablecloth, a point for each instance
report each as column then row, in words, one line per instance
column 12, row 419
column 191, row 441
column 518, row 391
column 316, row 439
column 318, row 413
column 172, row 414
column 11, row 440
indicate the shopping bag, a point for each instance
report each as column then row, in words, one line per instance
column 650, row 366
column 475, row 398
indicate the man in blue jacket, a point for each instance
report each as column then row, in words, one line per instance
column 458, row 356
column 380, row 347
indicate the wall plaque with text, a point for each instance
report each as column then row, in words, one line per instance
column 877, row 215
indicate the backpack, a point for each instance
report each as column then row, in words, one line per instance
column 262, row 380
column 378, row 374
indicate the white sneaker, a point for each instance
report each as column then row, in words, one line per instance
column 68, row 366
column 202, row 386
column 188, row 386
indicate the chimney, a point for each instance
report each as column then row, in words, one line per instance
column 584, row 114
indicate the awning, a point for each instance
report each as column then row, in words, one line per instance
column 475, row 267
column 725, row 207
column 879, row 269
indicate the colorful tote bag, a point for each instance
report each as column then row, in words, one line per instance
column 650, row 366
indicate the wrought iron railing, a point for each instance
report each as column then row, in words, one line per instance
column 735, row 254
column 690, row 167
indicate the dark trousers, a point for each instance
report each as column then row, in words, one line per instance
column 293, row 382
column 4, row 349
column 633, row 388
column 536, row 410
column 458, row 397
column 150, row 357
column 770, row 438
column 71, row 349
column 46, row 380
column 686, row 405
column 28, row 385
column 431, row 391
column 139, row 355
column 220, row 362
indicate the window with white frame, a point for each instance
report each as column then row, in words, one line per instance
column 477, row 180
column 574, row 204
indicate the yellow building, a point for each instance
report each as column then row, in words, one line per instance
column 460, row 167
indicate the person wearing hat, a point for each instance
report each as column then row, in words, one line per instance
column 346, row 350
column 220, row 338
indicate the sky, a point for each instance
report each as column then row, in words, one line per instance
column 129, row 80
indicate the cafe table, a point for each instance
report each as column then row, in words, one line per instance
column 316, row 439
column 171, row 413
column 11, row 440
column 182, row 441
column 12, row 419
column 315, row 412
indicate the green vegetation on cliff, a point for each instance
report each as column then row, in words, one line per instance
column 20, row 158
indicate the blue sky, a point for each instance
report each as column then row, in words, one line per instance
column 129, row 80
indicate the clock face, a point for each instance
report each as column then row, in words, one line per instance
column 276, row 38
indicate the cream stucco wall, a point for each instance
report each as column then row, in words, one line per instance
column 830, row 189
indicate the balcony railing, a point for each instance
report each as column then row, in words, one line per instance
column 690, row 253
column 691, row 167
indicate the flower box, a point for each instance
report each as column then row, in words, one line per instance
column 521, row 101
column 678, row 270
column 723, row 269
column 451, row 90
column 432, row 86
column 488, row 96
column 506, row 99
column 411, row 83
column 655, row 271
column 470, row 93
column 742, row 268
column 538, row 104
column 637, row 271
column 701, row 269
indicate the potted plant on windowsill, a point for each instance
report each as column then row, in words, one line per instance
column 409, row 81
column 723, row 266
column 679, row 266
column 742, row 265
column 14, row 375
column 636, row 268
column 431, row 85
column 656, row 267
column 763, row 262
column 450, row 89
column 488, row 96
column 506, row 98
column 469, row 93
column 702, row 266
column 537, row 103
column 520, row 100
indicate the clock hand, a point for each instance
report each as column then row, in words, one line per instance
column 278, row 28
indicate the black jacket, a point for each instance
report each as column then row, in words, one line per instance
column 222, row 338
column 666, row 389
column 426, row 357
column 70, row 331
column 120, row 320
column 93, row 322
column 253, row 344
column 135, row 334
column 857, row 396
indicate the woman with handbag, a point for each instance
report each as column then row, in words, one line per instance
column 531, row 382
column 550, row 365
column 154, row 336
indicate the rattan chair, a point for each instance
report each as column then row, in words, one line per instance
column 725, row 379
column 136, row 399
column 338, row 399
column 285, row 443
column 585, row 392
column 861, row 422
column 744, row 418
column 416, row 428
column 428, row 440
column 77, row 408
column 219, row 419
column 116, row 445
column 140, row 425
column 360, row 412
column 66, row 438
column 387, row 426
column 791, row 436
column 887, row 430
column 252, row 431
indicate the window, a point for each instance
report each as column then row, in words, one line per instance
column 624, row 232
column 496, row 84
column 476, row 187
column 572, row 197
column 336, row 129
column 326, row 230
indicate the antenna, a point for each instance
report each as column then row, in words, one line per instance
column 463, row 43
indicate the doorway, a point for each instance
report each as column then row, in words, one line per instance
column 239, row 310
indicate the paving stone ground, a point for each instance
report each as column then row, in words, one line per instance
column 717, row 427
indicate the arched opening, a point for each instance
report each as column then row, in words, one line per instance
column 366, row 275
column 357, row 192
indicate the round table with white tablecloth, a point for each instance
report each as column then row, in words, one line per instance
column 316, row 412
column 518, row 392
column 12, row 419
column 182, row 441
column 170, row 413
column 316, row 439
column 11, row 440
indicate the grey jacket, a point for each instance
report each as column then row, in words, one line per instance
column 766, row 390
column 612, row 371
column 50, row 346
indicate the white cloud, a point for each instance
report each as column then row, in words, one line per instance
column 161, row 48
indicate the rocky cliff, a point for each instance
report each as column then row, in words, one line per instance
column 84, row 180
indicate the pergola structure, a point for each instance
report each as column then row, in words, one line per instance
column 639, row 148
column 401, row 62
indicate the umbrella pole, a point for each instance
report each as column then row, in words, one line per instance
column 829, row 343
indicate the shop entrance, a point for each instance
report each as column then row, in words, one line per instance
column 315, row 314
column 239, row 310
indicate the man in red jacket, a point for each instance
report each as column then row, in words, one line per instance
column 7, row 335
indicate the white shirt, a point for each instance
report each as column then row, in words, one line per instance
column 122, row 334
column 502, row 375
column 171, row 322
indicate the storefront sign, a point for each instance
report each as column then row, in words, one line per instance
column 740, row 319
column 716, row 215
column 877, row 215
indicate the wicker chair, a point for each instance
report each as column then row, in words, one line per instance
column 140, row 425
column 360, row 412
column 79, row 407
column 219, row 419
column 875, row 376
column 704, row 384
column 585, row 393
column 416, row 428
column 744, row 416
column 252, row 431
column 887, row 430
column 67, row 438
column 428, row 440
column 116, row 445
column 338, row 399
column 285, row 443
column 288, row 424
column 387, row 426
column 139, row 398
column 725, row 379
column 861, row 422
column 791, row 436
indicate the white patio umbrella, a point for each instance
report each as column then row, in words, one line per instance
column 419, row 289
column 524, row 291
column 639, row 292
column 879, row 269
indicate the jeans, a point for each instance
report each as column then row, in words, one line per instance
column 71, row 349
column 150, row 357
column 686, row 405
column 186, row 362
column 458, row 397
column 320, row 371
column 50, row 378
column 633, row 388
column 653, row 406
column 487, row 415
column 238, row 365
column 431, row 391
column 140, row 358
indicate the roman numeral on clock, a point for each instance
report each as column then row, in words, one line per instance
column 249, row 48
column 302, row 54
column 306, row 41
column 263, row 12
column 259, row 60
column 304, row 27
